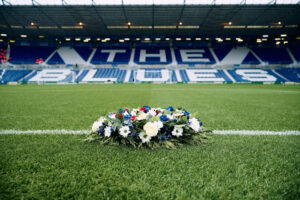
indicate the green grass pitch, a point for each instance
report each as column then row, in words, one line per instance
column 228, row 167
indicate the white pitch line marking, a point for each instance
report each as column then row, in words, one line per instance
column 218, row 132
column 254, row 132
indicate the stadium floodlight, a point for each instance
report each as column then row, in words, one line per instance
column 41, row 36
column 258, row 40
column 3, row 34
column 1, row 40
column 283, row 35
column 121, row 40
column 167, row 39
column 107, row 39
column 23, row 36
column 127, row 39
column 80, row 24
column 180, row 23
column 229, row 23
column 265, row 36
column 68, row 39
column 147, row 39
column 77, row 39
column 188, row 39
column 137, row 39
column 157, row 39
column 12, row 41
column 278, row 43
column 279, row 22
column 178, row 39
column 227, row 39
column 264, row 39
column 285, row 42
column 277, row 39
column 198, row 39
column 206, row 38
column 129, row 23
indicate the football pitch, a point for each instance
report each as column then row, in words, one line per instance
column 228, row 167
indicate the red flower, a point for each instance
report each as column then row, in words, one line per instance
column 143, row 109
column 133, row 117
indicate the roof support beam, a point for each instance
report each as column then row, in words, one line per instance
column 100, row 18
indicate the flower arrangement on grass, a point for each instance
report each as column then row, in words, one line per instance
column 149, row 127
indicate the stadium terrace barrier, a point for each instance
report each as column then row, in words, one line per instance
column 151, row 75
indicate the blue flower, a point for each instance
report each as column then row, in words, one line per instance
column 201, row 123
column 170, row 108
column 127, row 117
column 169, row 136
column 100, row 131
column 164, row 118
column 147, row 108
column 186, row 113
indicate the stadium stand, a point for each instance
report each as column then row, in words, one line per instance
column 155, row 54
column 239, row 75
column 198, row 42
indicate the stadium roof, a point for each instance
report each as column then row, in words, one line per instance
column 145, row 2
column 176, row 20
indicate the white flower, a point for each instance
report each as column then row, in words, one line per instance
column 177, row 132
column 152, row 112
column 194, row 124
column 144, row 137
column 178, row 114
column 170, row 117
column 112, row 115
column 124, row 131
column 142, row 116
column 97, row 124
column 134, row 111
column 151, row 129
column 158, row 124
column 107, row 131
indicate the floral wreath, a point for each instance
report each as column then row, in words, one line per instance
column 149, row 127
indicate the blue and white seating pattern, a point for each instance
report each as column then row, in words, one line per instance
column 154, row 54
column 189, row 75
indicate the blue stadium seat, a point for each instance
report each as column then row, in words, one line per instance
column 14, row 75
column 221, row 50
column 82, row 75
column 29, row 54
column 84, row 52
column 250, row 60
column 295, row 50
column 206, row 56
column 120, row 58
column 273, row 55
column 111, row 73
column 153, row 60
column 56, row 60
column 292, row 74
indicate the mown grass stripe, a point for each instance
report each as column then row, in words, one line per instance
column 219, row 132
